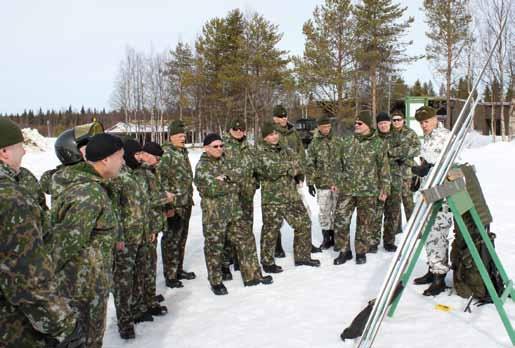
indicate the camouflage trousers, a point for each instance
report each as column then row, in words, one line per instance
column 173, row 242
column 247, row 207
column 391, row 211
column 327, row 200
column 297, row 217
column 130, row 266
column 365, row 225
column 241, row 238
column 150, row 275
column 407, row 198
column 437, row 244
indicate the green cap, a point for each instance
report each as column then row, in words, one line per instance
column 268, row 128
column 366, row 117
column 176, row 127
column 10, row 133
column 424, row 113
column 236, row 123
column 279, row 111
column 323, row 120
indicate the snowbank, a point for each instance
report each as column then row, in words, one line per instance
column 33, row 140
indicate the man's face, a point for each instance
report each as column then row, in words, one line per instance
column 361, row 128
column 113, row 164
column 384, row 126
column 324, row 129
column 178, row 140
column 280, row 121
column 138, row 156
column 428, row 125
column 397, row 122
column 12, row 156
column 272, row 138
column 237, row 133
column 149, row 159
column 215, row 149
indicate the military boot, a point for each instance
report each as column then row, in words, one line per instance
column 437, row 286
column 310, row 262
column 326, row 242
column 331, row 238
column 279, row 251
column 226, row 273
column 425, row 279
column 361, row 259
column 272, row 268
column 127, row 333
column 314, row 249
column 143, row 317
column 174, row 283
column 158, row 310
column 186, row 275
column 343, row 257
column 219, row 289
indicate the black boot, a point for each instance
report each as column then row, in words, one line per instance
column 236, row 264
column 279, row 251
column 343, row 257
column 310, row 262
column 127, row 333
column 143, row 317
column 437, row 286
column 219, row 289
column 158, row 311
column 390, row 247
column 315, row 250
column 263, row 280
column 159, row 298
column 331, row 238
column 186, row 275
column 174, row 283
column 361, row 259
column 226, row 273
column 272, row 268
column 326, row 242
column 425, row 279
column 372, row 249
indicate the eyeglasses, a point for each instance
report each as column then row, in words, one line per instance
column 281, row 116
column 396, row 119
column 358, row 123
column 238, row 129
column 218, row 146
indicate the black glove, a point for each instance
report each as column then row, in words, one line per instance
column 298, row 178
column 75, row 340
column 422, row 169
column 312, row 191
column 399, row 161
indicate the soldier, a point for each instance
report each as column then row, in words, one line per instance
column 323, row 172
column 408, row 148
column 289, row 137
column 85, row 227
column 391, row 207
column 175, row 174
column 239, row 152
column 278, row 170
column 217, row 183
column 366, row 178
column 31, row 313
column 437, row 245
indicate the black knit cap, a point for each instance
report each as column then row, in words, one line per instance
column 382, row 116
column 210, row 138
column 130, row 148
column 10, row 133
column 153, row 149
column 101, row 146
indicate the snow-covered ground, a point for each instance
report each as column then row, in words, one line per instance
column 307, row 307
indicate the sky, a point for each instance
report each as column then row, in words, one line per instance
column 58, row 53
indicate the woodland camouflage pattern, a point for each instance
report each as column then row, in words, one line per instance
column 29, row 306
column 85, row 225
column 323, row 167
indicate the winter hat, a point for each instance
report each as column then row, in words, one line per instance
column 279, row 111
column 101, row 146
column 323, row 120
column 10, row 133
column 210, row 138
column 176, row 127
column 268, row 128
column 366, row 117
column 236, row 123
column 130, row 148
column 424, row 113
column 382, row 116
column 153, row 149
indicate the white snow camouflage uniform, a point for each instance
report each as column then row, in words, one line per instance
column 437, row 245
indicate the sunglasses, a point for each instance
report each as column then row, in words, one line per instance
column 238, row 129
column 396, row 119
column 358, row 123
column 282, row 116
column 218, row 146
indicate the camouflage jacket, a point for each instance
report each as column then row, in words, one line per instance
column 241, row 157
column 219, row 198
column 276, row 167
column 133, row 201
column 433, row 146
column 46, row 179
column 291, row 138
column 175, row 174
column 28, row 300
column 323, row 166
column 391, row 146
column 85, row 226
column 157, row 197
column 366, row 171
column 406, row 147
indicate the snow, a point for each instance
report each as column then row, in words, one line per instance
column 307, row 307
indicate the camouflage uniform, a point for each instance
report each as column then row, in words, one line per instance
column 366, row 174
column 241, row 156
column 175, row 174
column 323, row 172
column 222, row 218
column 437, row 245
column 85, row 225
column 276, row 167
column 30, row 310
column 408, row 148
column 131, row 263
column 45, row 182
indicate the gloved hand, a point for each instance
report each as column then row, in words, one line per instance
column 399, row 161
column 422, row 169
column 312, row 191
column 76, row 339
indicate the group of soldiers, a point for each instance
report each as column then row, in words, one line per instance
column 111, row 197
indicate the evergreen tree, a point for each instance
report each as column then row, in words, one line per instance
column 416, row 90
column 180, row 76
column 487, row 95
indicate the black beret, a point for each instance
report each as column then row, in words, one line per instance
column 101, row 146
column 382, row 116
column 153, row 149
column 210, row 138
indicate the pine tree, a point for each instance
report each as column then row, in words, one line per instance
column 416, row 90
column 180, row 76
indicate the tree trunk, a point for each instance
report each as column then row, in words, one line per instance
column 373, row 86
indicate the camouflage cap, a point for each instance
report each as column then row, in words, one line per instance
column 10, row 133
column 324, row 119
column 236, row 123
column 279, row 111
column 176, row 127
column 366, row 117
column 267, row 129
column 424, row 113
column 397, row 113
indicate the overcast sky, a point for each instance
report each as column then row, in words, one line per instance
column 56, row 53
